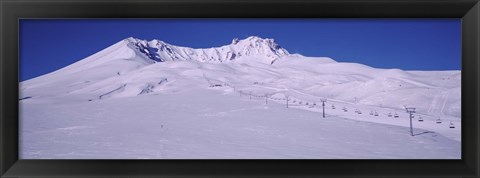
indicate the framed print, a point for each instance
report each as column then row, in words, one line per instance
column 247, row 99
column 160, row 88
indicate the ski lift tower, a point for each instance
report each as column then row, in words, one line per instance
column 287, row 98
column 266, row 98
column 323, row 105
column 411, row 111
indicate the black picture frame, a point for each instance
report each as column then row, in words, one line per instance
column 12, row 10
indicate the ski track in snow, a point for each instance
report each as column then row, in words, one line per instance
column 438, row 103
column 444, row 98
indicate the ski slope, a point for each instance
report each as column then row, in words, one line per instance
column 208, row 124
column 153, row 100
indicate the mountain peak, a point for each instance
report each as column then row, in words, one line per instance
column 255, row 39
column 264, row 46
column 235, row 41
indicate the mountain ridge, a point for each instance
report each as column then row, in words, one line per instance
column 160, row 51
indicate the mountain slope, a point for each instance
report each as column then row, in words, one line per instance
column 151, row 99
column 135, row 67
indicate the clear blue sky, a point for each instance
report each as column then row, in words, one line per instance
column 409, row 44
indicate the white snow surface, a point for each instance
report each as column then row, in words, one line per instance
column 141, row 99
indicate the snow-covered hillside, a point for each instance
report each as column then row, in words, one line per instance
column 154, row 82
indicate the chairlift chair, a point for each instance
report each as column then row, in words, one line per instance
column 420, row 119
column 376, row 114
column 389, row 114
column 451, row 125
column 395, row 115
column 438, row 121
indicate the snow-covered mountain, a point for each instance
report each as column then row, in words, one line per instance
column 132, row 67
column 160, row 82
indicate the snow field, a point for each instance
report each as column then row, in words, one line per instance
column 204, row 124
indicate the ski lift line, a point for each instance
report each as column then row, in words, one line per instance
column 304, row 94
column 334, row 100
column 319, row 97
column 330, row 99
column 299, row 106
